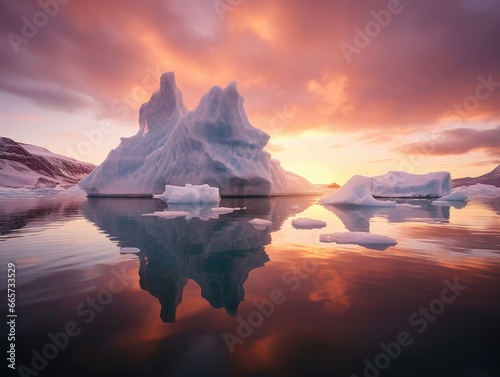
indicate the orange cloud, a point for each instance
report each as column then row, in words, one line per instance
column 93, row 57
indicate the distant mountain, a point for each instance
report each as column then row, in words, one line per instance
column 491, row 178
column 26, row 165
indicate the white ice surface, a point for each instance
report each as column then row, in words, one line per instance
column 398, row 184
column 455, row 196
column 27, row 193
column 130, row 250
column 306, row 223
column 73, row 191
column 189, row 194
column 357, row 238
column 40, row 151
column 408, row 205
column 355, row 192
column 224, row 210
column 261, row 224
column 193, row 211
column 168, row 214
column 479, row 190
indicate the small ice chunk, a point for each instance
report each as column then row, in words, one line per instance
column 305, row 223
column 130, row 250
column 261, row 224
column 357, row 238
column 408, row 205
column 455, row 196
column 189, row 194
column 224, row 210
column 168, row 214
column 355, row 192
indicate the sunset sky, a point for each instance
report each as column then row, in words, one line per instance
column 342, row 87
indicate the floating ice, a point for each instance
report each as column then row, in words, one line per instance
column 224, row 210
column 189, row 194
column 398, row 184
column 305, row 223
column 130, row 250
column 73, row 191
column 408, row 205
column 168, row 214
column 261, row 224
column 455, row 196
column 355, row 192
column 27, row 193
column 189, row 211
column 358, row 238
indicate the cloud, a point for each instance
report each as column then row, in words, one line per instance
column 492, row 162
column 282, row 53
column 47, row 95
column 332, row 94
column 458, row 141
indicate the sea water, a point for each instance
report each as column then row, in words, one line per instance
column 101, row 290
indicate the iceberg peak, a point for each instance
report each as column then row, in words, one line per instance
column 213, row 144
column 164, row 104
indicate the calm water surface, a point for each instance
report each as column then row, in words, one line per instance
column 217, row 297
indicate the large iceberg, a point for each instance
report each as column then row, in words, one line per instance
column 213, row 144
column 398, row 184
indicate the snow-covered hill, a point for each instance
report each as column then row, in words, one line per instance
column 491, row 178
column 26, row 165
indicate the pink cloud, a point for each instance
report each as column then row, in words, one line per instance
column 458, row 141
column 425, row 60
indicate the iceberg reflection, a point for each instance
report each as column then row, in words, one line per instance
column 217, row 253
column 357, row 219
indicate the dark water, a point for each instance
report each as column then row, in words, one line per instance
column 218, row 297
